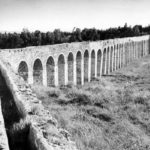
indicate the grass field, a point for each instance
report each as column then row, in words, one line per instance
column 112, row 113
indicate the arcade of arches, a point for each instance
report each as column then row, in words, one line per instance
column 83, row 66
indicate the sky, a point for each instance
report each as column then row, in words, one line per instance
column 47, row 15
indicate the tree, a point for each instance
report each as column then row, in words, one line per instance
column 37, row 38
column 76, row 35
column 57, row 36
column 50, row 38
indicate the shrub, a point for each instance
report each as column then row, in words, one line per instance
column 53, row 92
column 35, row 110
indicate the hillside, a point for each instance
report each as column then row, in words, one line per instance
column 111, row 113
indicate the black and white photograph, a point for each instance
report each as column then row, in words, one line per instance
column 74, row 75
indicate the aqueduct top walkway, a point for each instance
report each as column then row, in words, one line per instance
column 77, row 63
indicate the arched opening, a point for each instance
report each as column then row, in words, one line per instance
column 127, row 56
column 114, row 57
column 92, row 64
column 129, row 49
column 122, row 59
column 142, row 48
column 23, row 70
column 78, row 68
column 117, row 57
column 61, row 70
column 111, row 59
column 50, row 71
column 99, row 57
column 104, row 62
column 38, row 72
column 139, row 50
column 70, row 67
column 108, row 60
column 120, row 50
column 135, row 49
column 86, row 64
column 132, row 50
column 127, row 53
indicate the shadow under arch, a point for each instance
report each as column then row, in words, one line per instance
column 38, row 72
column 111, row 59
column 104, row 62
column 23, row 70
column 99, row 60
column 78, row 66
column 92, row 64
column 70, row 67
column 108, row 62
column 61, row 70
column 50, row 65
column 86, row 65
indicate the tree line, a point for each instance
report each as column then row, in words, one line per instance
column 37, row 38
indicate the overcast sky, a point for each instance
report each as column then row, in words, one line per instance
column 46, row 15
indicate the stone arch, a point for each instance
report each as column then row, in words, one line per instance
column 120, row 50
column 127, row 53
column 86, row 65
column 50, row 65
column 23, row 70
column 136, row 50
column 114, row 58
column 122, row 54
column 61, row 70
column 78, row 66
column 142, row 48
column 108, row 60
column 104, row 61
column 92, row 64
column 70, row 67
column 139, row 50
column 131, row 49
column 99, row 59
column 111, row 59
column 38, row 72
column 117, row 56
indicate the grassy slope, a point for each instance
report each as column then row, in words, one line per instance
column 109, row 114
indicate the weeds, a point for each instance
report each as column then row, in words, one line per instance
column 36, row 110
column 110, row 114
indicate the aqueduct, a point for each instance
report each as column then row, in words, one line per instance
column 75, row 63
column 56, row 65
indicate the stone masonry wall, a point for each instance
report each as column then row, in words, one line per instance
column 126, row 47
column 26, row 102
